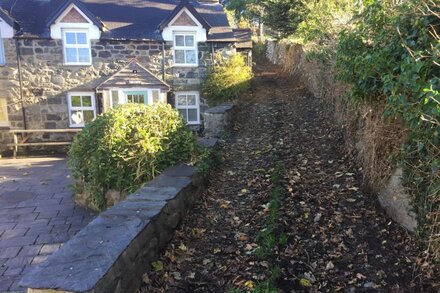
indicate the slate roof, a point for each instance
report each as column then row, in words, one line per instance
column 7, row 18
column 243, row 37
column 133, row 75
column 122, row 19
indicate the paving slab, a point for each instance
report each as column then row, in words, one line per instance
column 37, row 214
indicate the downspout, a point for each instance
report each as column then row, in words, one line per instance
column 212, row 55
column 163, row 61
column 20, row 80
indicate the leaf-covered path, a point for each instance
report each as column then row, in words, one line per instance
column 338, row 238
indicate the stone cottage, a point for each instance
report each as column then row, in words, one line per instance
column 63, row 62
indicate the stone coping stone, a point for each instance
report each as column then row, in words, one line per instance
column 220, row 109
column 206, row 142
column 93, row 260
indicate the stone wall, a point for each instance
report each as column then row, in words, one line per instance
column 218, row 119
column 373, row 138
column 114, row 250
column 46, row 80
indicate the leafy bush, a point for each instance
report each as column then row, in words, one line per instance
column 391, row 56
column 259, row 51
column 227, row 80
column 128, row 146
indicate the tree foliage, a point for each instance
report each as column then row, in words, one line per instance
column 281, row 16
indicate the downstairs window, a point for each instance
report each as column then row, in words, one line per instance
column 188, row 105
column 81, row 108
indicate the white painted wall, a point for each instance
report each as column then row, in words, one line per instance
column 6, row 31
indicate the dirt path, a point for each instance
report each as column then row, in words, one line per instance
column 337, row 237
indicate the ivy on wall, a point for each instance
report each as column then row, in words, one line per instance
column 391, row 55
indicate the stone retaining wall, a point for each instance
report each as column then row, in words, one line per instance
column 115, row 249
column 217, row 120
column 374, row 138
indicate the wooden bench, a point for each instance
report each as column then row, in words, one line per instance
column 22, row 135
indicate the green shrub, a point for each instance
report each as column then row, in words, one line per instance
column 227, row 80
column 128, row 146
column 259, row 51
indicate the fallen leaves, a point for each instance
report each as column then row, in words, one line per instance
column 337, row 239
column 249, row 284
column 305, row 283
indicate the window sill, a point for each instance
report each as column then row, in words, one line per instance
column 185, row 65
column 77, row 64
column 5, row 127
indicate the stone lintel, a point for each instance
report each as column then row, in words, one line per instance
column 220, row 109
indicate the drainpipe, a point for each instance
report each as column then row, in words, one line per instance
column 163, row 61
column 212, row 55
column 20, row 80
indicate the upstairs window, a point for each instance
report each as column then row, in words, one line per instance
column 185, row 49
column 81, row 108
column 76, row 47
column 187, row 103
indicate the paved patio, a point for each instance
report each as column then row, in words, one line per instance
column 37, row 214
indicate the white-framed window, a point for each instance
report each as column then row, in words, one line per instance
column 146, row 96
column 114, row 98
column 139, row 97
column 185, row 49
column 155, row 96
column 81, row 108
column 4, row 121
column 2, row 51
column 76, row 46
column 188, row 105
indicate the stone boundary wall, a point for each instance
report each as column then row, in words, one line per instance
column 373, row 138
column 115, row 249
column 218, row 119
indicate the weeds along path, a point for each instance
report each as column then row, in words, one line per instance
column 324, row 235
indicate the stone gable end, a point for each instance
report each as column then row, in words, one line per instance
column 184, row 20
column 74, row 17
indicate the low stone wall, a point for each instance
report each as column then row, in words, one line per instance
column 115, row 249
column 217, row 119
column 373, row 138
